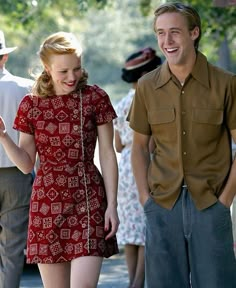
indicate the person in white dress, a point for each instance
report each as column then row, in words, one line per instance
column 234, row 203
column 131, row 232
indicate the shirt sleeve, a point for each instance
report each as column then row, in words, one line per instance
column 23, row 119
column 138, row 113
column 103, row 109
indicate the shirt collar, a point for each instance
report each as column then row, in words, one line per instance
column 163, row 76
column 3, row 71
column 200, row 72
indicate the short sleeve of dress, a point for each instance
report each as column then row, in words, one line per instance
column 24, row 120
column 122, row 109
column 103, row 109
column 118, row 120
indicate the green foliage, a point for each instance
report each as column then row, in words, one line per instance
column 109, row 31
column 28, row 13
column 216, row 21
column 145, row 7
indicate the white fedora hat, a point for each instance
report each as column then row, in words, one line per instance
column 3, row 48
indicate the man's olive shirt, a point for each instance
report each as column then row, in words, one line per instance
column 191, row 127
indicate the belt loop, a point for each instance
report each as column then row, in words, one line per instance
column 184, row 184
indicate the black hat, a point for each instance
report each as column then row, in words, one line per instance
column 138, row 63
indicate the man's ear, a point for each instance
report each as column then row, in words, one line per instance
column 4, row 58
column 195, row 33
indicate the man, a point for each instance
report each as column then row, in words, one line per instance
column 189, row 107
column 15, row 187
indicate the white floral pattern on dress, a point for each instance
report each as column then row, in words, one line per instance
column 132, row 219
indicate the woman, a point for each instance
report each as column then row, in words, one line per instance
column 234, row 203
column 131, row 233
column 73, row 216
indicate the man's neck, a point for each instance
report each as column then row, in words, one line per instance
column 2, row 65
column 181, row 72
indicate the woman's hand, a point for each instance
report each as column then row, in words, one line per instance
column 22, row 155
column 111, row 221
column 109, row 171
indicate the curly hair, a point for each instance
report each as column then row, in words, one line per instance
column 56, row 44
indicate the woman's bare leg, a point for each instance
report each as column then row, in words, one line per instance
column 135, row 263
column 131, row 260
column 138, row 281
column 85, row 272
column 55, row 275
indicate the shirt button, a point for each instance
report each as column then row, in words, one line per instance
column 182, row 92
column 185, row 153
column 184, row 132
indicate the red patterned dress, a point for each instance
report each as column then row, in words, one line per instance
column 68, row 199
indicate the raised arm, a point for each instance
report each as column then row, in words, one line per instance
column 109, row 170
column 23, row 155
column 140, row 158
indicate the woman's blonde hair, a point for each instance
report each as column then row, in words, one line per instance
column 56, row 44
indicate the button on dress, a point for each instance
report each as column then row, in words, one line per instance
column 68, row 198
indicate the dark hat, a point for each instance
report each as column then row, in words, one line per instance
column 139, row 63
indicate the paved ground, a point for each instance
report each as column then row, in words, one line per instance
column 113, row 275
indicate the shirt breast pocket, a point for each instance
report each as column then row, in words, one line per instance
column 207, row 122
column 163, row 124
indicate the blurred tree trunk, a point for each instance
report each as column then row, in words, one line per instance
column 224, row 55
column 224, row 3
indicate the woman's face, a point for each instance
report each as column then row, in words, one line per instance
column 65, row 71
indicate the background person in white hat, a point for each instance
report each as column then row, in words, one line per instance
column 15, row 187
